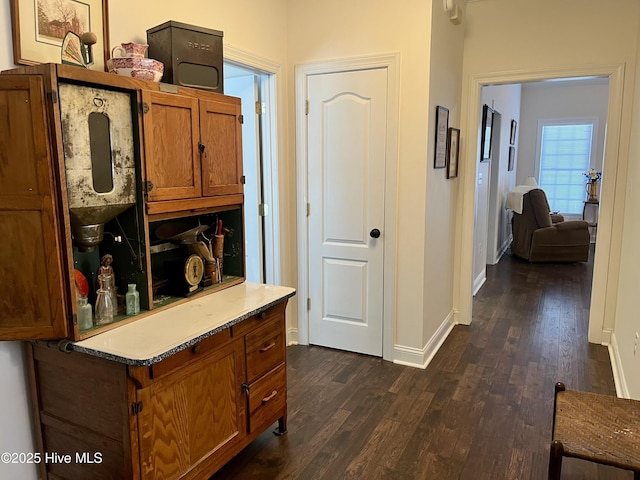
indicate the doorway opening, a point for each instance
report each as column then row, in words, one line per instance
column 601, row 313
column 256, row 88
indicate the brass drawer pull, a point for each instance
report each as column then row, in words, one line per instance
column 267, row 347
column 273, row 394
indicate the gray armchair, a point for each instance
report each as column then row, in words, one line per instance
column 540, row 236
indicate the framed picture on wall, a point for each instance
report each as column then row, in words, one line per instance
column 512, row 137
column 442, row 125
column 487, row 133
column 453, row 152
column 512, row 157
column 39, row 27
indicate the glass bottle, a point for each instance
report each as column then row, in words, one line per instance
column 104, row 301
column 109, row 280
column 132, row 300
column 85, row 314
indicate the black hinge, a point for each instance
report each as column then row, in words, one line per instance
column 243, row 179
column 201, row 147
column 143, row 107
column 241, row 119
column 136, row 407
column 148, row 186
column 52, row 96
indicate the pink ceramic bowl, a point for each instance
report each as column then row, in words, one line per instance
column 136, row 67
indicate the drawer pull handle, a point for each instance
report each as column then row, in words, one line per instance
column 273, row 394
column 196, row 349
column 267, row 347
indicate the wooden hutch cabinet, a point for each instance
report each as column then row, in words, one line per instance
column 93, row 164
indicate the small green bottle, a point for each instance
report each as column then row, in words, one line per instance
column 132, row 300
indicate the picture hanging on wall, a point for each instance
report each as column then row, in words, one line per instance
column 39, row 28
column 487, row 133
column 512, row 137
column 512, row 157
column 442, row 126
column 453, row 152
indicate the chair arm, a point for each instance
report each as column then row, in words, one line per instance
column 572, row 225
column 556, row 218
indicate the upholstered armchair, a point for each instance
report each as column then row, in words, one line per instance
column 540, row 236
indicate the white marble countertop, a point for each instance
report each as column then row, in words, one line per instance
column 160, row 335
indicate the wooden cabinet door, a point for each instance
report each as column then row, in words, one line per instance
column 221, row 136
column 172, row 159
column 32, row 284
column 189, row 415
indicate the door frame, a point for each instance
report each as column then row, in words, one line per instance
column 273, row 141
column 391, row 63
column 610, row 223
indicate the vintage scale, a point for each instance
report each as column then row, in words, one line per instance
column 185, row 276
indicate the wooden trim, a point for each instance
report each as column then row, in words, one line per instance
column 165, row 210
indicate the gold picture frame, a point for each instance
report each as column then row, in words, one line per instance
column 39, row 27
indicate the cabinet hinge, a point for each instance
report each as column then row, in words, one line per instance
column 308, row 209
column 143, row 107
column 74, row 319
column 148, row 186
column 306, row 107
column 52, row 96
column 136, row 407
column 241, row 119
column 263, row 209
column 261, row 108
column 201, row 147
column 308, row 303
column 243, row 179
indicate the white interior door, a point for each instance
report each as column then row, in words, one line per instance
column 347, row 124
column 243, row 85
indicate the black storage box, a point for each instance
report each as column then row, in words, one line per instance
column 192, row 56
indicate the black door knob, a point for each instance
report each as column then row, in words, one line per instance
column 375, row 233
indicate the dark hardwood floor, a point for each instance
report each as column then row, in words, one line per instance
column 481, row 410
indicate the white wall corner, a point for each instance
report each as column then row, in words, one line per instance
column 616, row 366
column 421, row 357
column 479, row 281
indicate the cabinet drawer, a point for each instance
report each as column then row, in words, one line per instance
column 265, row 349
column 267, row 398
column 195, row 352
column 256, row 321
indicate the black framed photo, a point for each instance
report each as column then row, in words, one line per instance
column 487, row 133
column 453, row 152
column 442, row 126
column 512, row 157
column 512, row 137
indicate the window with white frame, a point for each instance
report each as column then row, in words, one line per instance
column 565, row 155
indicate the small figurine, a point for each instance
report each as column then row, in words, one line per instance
column 105, row 265
column 105, row 268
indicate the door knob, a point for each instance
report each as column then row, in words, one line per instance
column 375, row 233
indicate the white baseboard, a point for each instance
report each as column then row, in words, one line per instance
column 421, row 357
column 292, row 336
column 616, row 366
